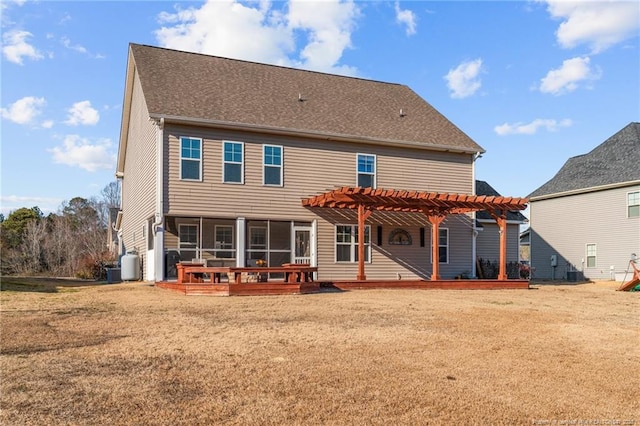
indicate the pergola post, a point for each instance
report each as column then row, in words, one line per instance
column 501, row 220
column 435, row 221
column 363, row 214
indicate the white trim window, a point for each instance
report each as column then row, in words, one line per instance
column 190, row 158
column 347, row 243
column 633, row 204
column 233, row 162
column 591, row 255
column 224, row 242
column 272, row 165
column 443, row 246
column 366, row 170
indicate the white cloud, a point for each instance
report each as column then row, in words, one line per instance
column 463, row 81
column 80, row 152
column 598, row 24
column 567, row 78
column 82, row 113
column 15, row 47
column 531, row 128
column 47, row 124
column 77, row 47
column 406, row 17
column 24, row 111
column 66, row 42
column 329, row 26
column 14, row 202
column 259, row 32
column 8, row 3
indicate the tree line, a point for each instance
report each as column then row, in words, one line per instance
column 70, row 242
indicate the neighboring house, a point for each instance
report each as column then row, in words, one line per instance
column 488, row 235
column 233, row 162
column 585, row 222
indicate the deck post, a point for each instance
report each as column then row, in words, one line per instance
column 501, row 219
column 435, row 220
column 362, row 216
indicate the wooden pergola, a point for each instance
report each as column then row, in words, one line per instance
column 435, row 206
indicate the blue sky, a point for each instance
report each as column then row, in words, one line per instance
column 533, row 82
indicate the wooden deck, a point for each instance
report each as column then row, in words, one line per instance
column 431, row 285
column 243, row 289
column 279, row 287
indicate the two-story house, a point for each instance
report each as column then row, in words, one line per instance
column 233, row 162
column 585, row 221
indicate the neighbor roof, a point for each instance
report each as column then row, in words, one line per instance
column 219, row 91
column 483, row 188
column 612, row 162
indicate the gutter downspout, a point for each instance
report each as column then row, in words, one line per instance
column 474, row 233
column 158, row 224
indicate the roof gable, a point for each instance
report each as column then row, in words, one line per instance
column 483, row 188
column 614, row 161
column 196, row 87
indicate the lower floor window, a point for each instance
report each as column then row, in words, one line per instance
column 443, row 246
column 347, row 243
column 591, row 255
column 224, row 242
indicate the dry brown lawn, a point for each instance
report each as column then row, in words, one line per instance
column 134, row 354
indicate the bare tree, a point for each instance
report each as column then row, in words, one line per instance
column 31, row 248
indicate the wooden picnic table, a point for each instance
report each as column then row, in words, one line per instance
column 293, row 273
column 194, row 273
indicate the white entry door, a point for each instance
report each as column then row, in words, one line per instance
column 303, row 245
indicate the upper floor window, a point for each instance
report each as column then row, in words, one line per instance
column 347, row 243
column 233, row 162
column 190, row 158
column 366, row 171
column 633, row 204
column 591, row 255
column 272, row 162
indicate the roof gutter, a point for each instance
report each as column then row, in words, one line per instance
column 585, row 190
column 228, row 125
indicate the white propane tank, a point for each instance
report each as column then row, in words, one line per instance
column 130, row 270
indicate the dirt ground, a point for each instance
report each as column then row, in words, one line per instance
column 135, row 354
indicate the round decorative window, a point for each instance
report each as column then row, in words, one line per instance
column 400, row 237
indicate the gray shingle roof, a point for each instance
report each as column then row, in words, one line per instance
column 209, row 88
column 614, row 161
column 483, row 188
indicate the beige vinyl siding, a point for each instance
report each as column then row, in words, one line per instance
column 139, row 183
column 310, row 167
column 390, row 261
column 565, row 225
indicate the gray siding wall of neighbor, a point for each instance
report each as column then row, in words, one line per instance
column 488, row 242
column 312, row 167
column 139, row 182
column 564, row 226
